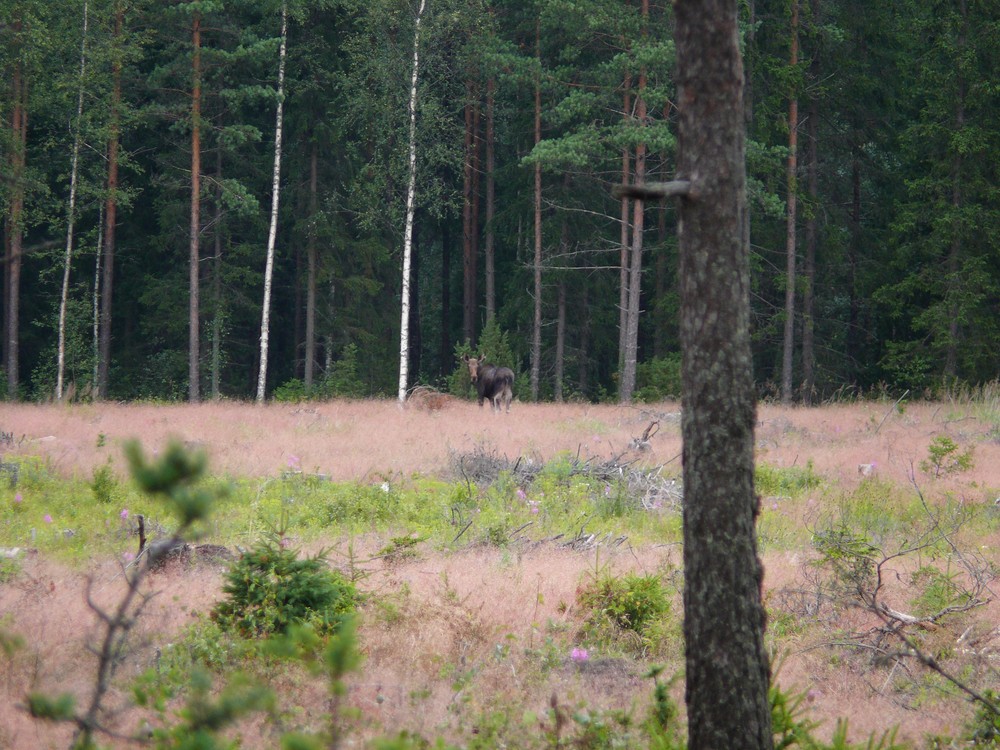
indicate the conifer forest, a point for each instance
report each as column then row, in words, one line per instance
column 277, row 199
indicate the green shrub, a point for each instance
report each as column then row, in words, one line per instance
column 292, row 391
column 104, row 484
column 659, row 378
column 789, row 480
column 270, row 588
column 943, row 457
column 631, row 602
column 344, row 379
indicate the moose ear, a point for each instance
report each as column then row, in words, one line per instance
column 465, row 357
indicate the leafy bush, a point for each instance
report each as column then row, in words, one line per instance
column 270, row 588
column 632, row 603
column 659, row 378
column 292, row 391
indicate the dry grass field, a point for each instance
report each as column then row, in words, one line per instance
column 460, row 632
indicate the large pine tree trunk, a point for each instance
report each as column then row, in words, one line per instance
column 790, row 254
column 194, row 253
column 411, row 189
column 71, row 214
column 272, row 234
column 727, row 670
column 110, row 213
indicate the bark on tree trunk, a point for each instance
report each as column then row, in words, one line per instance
column 311, row 267
column 445, row 347
column 812, row 232
column 488, row 250
column 790, row 254
column 71, row 213
column 272, row 234
column 624, row 261
column 727, row 669
column 404, row 333
column 627, row 384
column 955, row 252
column 15, row 217
column 97, row 297
column 217, row 283
column 536, row 328
column 557, row 391
column 194, row 253
column 468, row 255
column 110, row 214
column 583, row 380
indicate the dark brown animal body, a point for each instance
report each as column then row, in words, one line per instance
column 492, row 382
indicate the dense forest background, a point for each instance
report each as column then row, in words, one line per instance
column 138, row 148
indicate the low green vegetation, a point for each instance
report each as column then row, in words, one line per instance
column 285, row 613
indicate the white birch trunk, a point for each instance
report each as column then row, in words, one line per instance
column 275, row 193
column 404, row 328
column 71, row 216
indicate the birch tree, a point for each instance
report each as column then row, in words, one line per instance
column 275, row 195
column 404, row 328
column 71, row 212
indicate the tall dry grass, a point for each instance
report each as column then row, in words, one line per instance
column 458, row 634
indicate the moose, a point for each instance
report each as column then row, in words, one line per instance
column 492, row 382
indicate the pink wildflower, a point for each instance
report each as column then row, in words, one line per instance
column 579, row 655
column 17, row 497
column 124, row 513
column 48, row 518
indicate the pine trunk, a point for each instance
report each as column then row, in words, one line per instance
column 812, row 233
column 536, row 329
column 217, row 282
column 110, row 214
column 310, row 361
column 557, row 381
column 488, row 250
column 790, row 254
column 727, row 671
column 957, row 203
column 624, row 262
column 194, row 259
column 15, row 217
column 627, row 385
column 468, row 228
